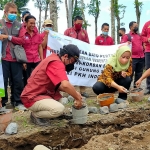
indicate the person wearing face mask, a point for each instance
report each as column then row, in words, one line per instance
column 104, row 38
column 116, row 74
column 47, row 27
column 79, row 33
column 47, row 80
column 122, row 34
column 137, row 51
column 10, row 26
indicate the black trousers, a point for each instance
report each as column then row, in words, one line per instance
column 100, row 87
column 137, row 68
column 30, row 67
column 15, row 70
column 147, row 66
column 24, row 72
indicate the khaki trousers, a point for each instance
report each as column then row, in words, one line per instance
column 47, row 108
column 40, row 147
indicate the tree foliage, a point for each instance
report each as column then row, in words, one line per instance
column 119, row 11
column 138, row 8
column 94, row 10
column 78, row 10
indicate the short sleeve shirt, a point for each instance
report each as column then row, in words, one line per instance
column 56, row 72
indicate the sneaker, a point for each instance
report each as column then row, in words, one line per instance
column 2, row 108
column 146, row 92
column 20, row 107
column 39, row 121
column 85, row 94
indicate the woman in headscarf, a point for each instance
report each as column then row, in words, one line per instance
column 116, row 74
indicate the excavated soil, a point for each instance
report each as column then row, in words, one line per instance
column 62, row 134
column 135, row 138
column 124, row 130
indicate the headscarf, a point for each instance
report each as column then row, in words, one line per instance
column 114, row 59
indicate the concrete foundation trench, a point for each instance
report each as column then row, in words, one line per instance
column 104, row 131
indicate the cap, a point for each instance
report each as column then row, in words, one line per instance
column 25, row 12
column 73, row 50
column 48, row 21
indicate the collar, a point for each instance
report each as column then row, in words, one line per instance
column 9, row 22
column 77, row 30
column 131, row 32
column 103, row 36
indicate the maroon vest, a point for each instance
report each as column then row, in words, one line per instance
column 40, row 85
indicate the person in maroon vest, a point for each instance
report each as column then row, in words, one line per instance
column 41, row 94
column 79, row 33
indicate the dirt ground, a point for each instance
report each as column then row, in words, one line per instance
column 135, row 138
column 126, row 129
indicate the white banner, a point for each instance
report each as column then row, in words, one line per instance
column 2, row 93
column 93, row 58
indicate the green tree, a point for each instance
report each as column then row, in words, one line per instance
column 119, row 11
column 138, row 7
column 94, row 10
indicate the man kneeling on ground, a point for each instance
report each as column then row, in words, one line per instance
column 41, row 94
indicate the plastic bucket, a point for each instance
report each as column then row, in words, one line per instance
column 79, row 115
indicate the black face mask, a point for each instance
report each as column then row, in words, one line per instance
column 120, row 34
column 135, row 29
column 69, row 67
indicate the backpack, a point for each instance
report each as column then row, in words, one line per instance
column 129, row 37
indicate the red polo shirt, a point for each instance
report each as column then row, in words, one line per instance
column 145, row 35
column 8, row 54
column 80, row 35
column 104, row 40
column 137, row 47
column 30, row 44
column 124, row 39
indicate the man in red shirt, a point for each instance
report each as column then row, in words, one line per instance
column 104, row 38
column 78, row 33
column 137, row 50
column 146, row 40
column 41, row 95
column 122, row 34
